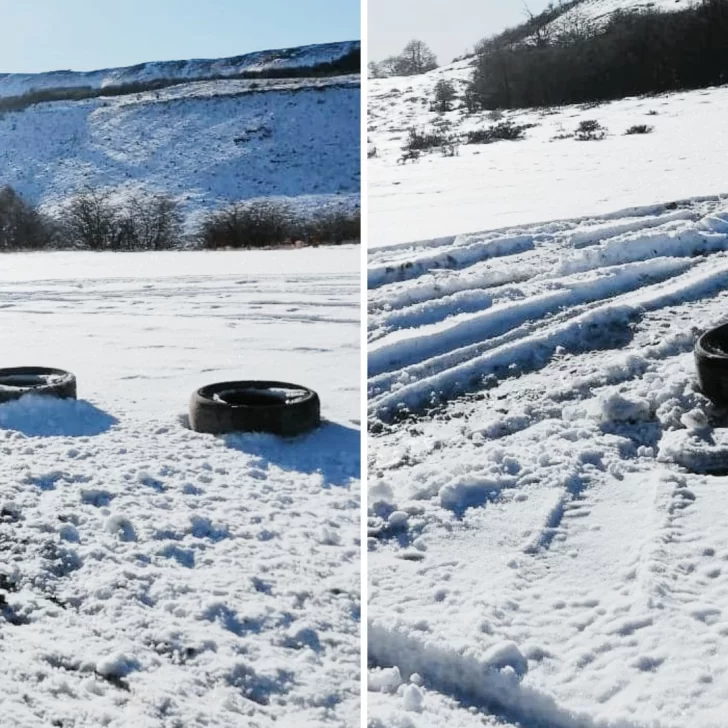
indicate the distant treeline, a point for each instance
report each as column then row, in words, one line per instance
column 99, row 221
column 348, row 63
column 542, row 63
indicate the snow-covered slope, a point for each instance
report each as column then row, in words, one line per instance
column 600, row 10
column 203, row 142
column 151, row 576
column 18, row 84
column 545, row 176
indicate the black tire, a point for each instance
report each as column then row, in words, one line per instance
column 16, row 382
column 711, row 360
column 251, row 406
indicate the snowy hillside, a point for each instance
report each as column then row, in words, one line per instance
column 151, row 576
column 545, row 176
column 18, row 84
column 547, row 546
column 600, row 10
column 205, row 143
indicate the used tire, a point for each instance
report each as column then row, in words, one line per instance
column 16, row 382
column 251, row 406
column 711, row 360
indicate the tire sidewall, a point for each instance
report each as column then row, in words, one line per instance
column 64, row 388
column 287, row 419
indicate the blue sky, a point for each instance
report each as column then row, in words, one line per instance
column 450, row 28
column 45, row 35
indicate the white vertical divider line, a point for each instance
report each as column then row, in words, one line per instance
column 363, row 354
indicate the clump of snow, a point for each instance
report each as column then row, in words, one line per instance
column 398, row 519
column 380, row 492
column 715, row 222
column 506, row 655
column 413, row 699
column 386, row 679
column 329, row 536
column 117, row 665
column 615, row 407
column 121, row 526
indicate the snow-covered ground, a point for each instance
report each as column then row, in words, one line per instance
column 204, row 143
column 18, row 84
column 151, row 576
column 598, row 11
column 547, row 547
column 543, row 177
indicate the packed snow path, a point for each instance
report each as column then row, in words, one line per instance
column 152, row 576
column 546, row 548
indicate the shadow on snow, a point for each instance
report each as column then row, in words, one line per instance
column 49, row 417
column 332, row 450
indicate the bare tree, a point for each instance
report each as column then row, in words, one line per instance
column 418, row 58
column 150, row 223
column 90, row 221
column 541, row 26
column 574, row 28
column 393, row 66
column 375, row 70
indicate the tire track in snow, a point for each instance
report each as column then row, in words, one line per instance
column 491, row 272
column 411, row 347
column 460, row 256
column 648, row 213
column 440, row 284
column 491, row 684
column 416, row 367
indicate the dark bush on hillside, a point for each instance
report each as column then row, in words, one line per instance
column 444, row 95
column 89, row 221
column 22, row 227
column 421, row 141
column 151, row 222
column 506, row 130
column 256, row 224
column 635, row 53
column 271, row 223
column 590, row 130
column 94, row 221
column 438, row 137
column 639, row 129
column 99, row 221
column 331, row 227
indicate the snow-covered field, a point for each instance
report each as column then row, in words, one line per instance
column 543, row 177
column 547, row 547
column 151, row 576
